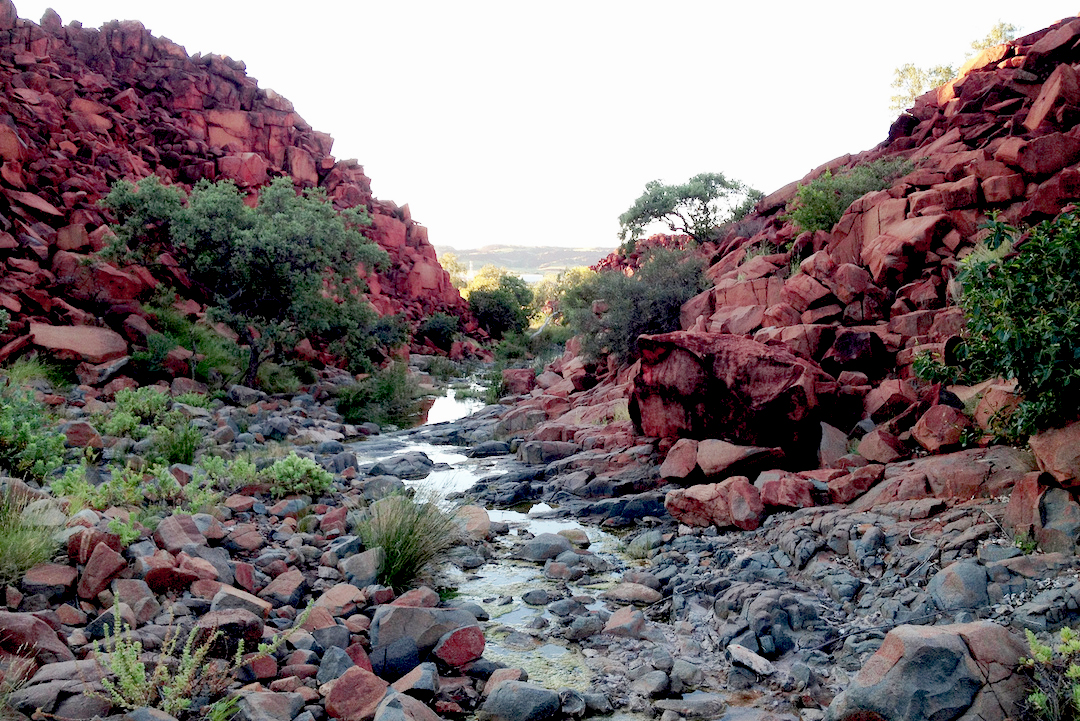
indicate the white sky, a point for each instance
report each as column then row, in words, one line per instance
column 538, row 123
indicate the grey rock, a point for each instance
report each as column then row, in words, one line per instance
column 651, row 684
column 334, row 663
column 543, row 547
column 960, row 586
column 269, row 706
column 520, row 701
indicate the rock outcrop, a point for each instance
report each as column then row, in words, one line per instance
column 82, row 108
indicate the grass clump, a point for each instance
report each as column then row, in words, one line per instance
column 23, row 543
column 1054, row 677
column 819, row 205
column 413, row 533
column 177, row 443
column 387, row 397
column 294, row 474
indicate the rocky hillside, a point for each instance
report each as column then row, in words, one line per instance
column 82, row 108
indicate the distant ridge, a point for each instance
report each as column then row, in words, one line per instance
column 540, row 260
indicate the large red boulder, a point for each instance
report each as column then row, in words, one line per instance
column 84, row 343
column 710, row 385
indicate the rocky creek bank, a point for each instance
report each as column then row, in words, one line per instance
column 905, row 608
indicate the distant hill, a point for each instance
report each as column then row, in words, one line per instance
column 538, row 260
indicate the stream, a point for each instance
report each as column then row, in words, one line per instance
column 514, row 633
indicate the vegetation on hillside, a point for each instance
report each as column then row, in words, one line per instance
column 820, row 204
column 501, row 301
column 274, row 273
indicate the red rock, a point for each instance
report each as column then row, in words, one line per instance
column 715, row 457
column 1003, row 188
column 891, row 255
column 1057, row 451
column 175, row 531
column 24, row 634
column 80, row 434
column 847, row 488
column 888, row 399
column 52, row 579
column 961, row 194
column 681, row 460
column 94, row 345
column 998, row 400
column 787, row 491
column 460, row 646
column 81, row 545
column 802, row 292
column 422, row 597
column 732, row 502
column 879, row 446
column 355, row 695
column 286, row 589
column 103, row 565
column 704, row 385
column 1060, row 92
column 940, row 427
column 1022, row 515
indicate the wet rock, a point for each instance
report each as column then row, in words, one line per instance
column 520, row 701
column 543, row 547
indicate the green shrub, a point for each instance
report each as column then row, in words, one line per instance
column 124, row 423
column 819, row 205
column 646, row 303
column 440, row 329
column 275, row 378
column 931, row 368
column 1023, row 321
column 1054, row 677
column 23, row 543
column 387, row 397
column 232, row 474
column 500, row 301
column 124, row 530
column 197, row 400
column 413, row 533
column 29, row 448
column 300, row 476
column 149, row 404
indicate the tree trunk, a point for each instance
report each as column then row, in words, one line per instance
column 253, row 360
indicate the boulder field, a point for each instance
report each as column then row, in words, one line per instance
column 783, row 428
column 82, row 108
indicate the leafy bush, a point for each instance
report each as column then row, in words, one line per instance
column 275, row 378
column 225, row 474
column 819, row 205
column 266, row 269
column 296, row 475
column 646, row 303
column 1023, row 321
column 125, row 531
column 932, row 369
column 149, row 404
column 413, row 533
column 132, row 488
column 23, row 543
column 197, row 400
column 440, row 329
column 387, row 397
column 28, row 447
column 1055, row 676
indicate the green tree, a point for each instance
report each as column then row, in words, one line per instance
column 911, row 81
column 282, row 270
column 457, row 270
column 695, row 208
column 500, row 300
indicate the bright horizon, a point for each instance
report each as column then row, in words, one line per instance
column 507, row 123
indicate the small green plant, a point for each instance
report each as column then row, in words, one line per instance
column 28, row 447
column 232, row 474
column 197, row 400
column 172, row 681
column 819, row 205
column 1055, row 677
column 929, row 367
column 149, row 404
column 294, row 474
column 29, row 369
column 23, row 543
column 125, row 530
column 413, row 533
column 387, row 397
column 1026, row 542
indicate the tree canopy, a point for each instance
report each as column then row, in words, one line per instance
column 695, row 207
column 284, row 269
column 500, row 300
column 911, row 81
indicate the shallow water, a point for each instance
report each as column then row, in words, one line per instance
column 450, row 408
